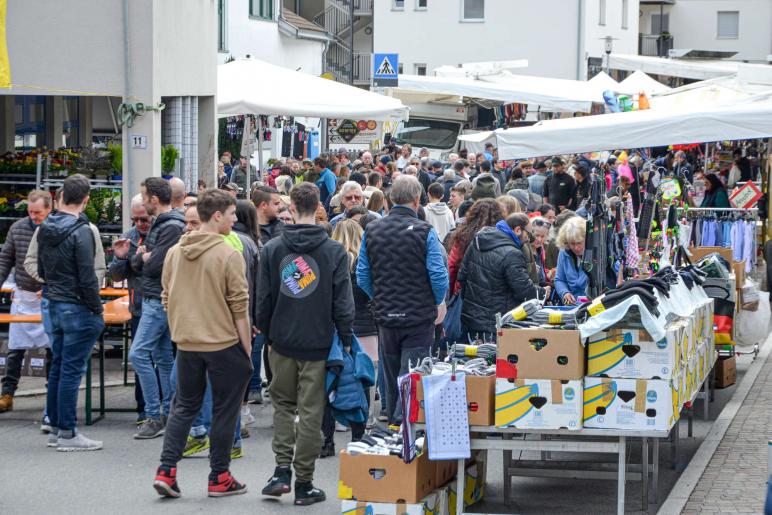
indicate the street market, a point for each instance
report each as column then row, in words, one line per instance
column 473, row 288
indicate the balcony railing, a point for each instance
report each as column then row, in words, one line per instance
column 338, row 62
column 654, row 45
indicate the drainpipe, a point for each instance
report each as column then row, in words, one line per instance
column 128, row 192
column 580, row 43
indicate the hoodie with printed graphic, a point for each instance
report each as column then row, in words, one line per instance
column 305, row 293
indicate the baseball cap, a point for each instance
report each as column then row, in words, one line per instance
column 385, row 159
column 231, row 186
column 557, row 161
column 540, row 165
column 437, row 164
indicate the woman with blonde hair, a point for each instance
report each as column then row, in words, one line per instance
column 509, row 205
column 570, row 279
column 349, row 234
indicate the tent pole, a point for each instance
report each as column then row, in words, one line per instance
column 259, row 126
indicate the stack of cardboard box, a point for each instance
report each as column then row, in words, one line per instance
column 539, row 379
column 386, row 485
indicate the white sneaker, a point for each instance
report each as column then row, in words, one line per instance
column 247, row 419
column 340, row 428
column 53, row 439
column 77, row 443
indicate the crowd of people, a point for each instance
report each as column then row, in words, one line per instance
column 371, row 247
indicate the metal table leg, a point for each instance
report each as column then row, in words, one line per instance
column 460, row 476
column 674, row 445
column 690, row 421
column 89, row 421
column 645, row 472
column 706, row 406
column 507, row 463
column 125, row 332
column 621, row 476
column 655, row 471
column 102, row 375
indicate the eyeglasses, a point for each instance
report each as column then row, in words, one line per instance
column 541, row 223
column 352, row 197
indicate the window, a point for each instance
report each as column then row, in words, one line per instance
column 222, row 26
column 728, row 25
column 602, row 12
column 397, row 5
column 420, row 5
column 262, row 9
column 660, row 24
column 428, row 133
column 420, row 69
column 400, row 68
column 472, row 10
column 625, row 13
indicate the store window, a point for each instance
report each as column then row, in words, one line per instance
column 421, row 5
column 29, row 118
column 420, row 69
column 602, row 12
column 472, row 10
column 625, row 13
column 660, row 23
column 728, row 24
column 222, row 26
column 262, row 9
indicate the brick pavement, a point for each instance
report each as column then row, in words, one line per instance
column 735, row 480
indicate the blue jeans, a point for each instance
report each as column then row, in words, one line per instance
column 203, row 422
column 153, row 344
column 74, row 330
column 256, row 382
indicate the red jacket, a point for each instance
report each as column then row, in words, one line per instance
column 454, row 265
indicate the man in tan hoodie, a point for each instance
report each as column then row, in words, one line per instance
column 213, row 339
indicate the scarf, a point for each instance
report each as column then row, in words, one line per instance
column 506, row 229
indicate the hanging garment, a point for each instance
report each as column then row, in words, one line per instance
column 708, row 233
column 631, row 244
column 726, row 234
column 749, row 237
column 737, row 236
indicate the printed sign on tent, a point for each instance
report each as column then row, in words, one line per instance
column 385, row 68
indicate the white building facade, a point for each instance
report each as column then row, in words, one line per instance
column 743, row 27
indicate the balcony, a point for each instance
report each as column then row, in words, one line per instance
column 655, row 45
column 337, row 61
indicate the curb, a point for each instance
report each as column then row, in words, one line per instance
column 685, row 485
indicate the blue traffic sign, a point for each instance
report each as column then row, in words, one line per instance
column 385, row 70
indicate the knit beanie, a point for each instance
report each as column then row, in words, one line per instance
column 485, row 187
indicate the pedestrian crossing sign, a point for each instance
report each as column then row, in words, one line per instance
column 385, row 68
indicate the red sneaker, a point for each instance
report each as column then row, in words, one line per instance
column 225, row 485
column 166, row 482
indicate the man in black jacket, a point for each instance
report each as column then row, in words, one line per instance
column 152, row 343
column 124, row 250
column 25, row 297
column 66, row 263
column 302, row 271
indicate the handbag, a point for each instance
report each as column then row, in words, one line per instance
column 452, row 323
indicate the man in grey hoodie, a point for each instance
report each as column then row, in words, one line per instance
column 438, row 214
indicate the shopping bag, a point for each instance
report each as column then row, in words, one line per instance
column 452, row 322
column 752, row 326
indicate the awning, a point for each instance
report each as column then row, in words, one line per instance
column 603, row 82
column 650, row 128
column 552, row 95
column 251, row 86
column 685, row 68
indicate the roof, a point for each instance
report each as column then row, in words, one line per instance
column 686, row 68
column 301, row 23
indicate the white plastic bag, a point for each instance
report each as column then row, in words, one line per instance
column 753, row 326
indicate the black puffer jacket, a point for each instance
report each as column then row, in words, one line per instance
column 164, row 234
column 66, row 261
column 493, row 279
column 13, row 254
column 364, row 320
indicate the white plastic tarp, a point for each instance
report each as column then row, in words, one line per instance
column 251, row 86
column 602, row 82
column 636, row 129
column 714, row 92
column 553, row 95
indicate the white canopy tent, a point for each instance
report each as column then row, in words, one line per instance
column 251, row 86
column 634, row 129
column 552, row 95
column 639, row 81
column 603, row 82
column 686, row 68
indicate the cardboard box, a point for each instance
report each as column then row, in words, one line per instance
column 444, row 471
column 435, row 503
column 539, row 354
column 474, row 488
column 632, row 404
column 632, row 353
column 700, row 252
column 538, row 403
column 385, row 479
column 33, row 364
column 726, row 372
column 480, row 398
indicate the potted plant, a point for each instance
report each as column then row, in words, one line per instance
column 169, row 155
column 116, row 160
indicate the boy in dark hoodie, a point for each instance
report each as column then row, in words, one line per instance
column 66, row 263
column 302, row 271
